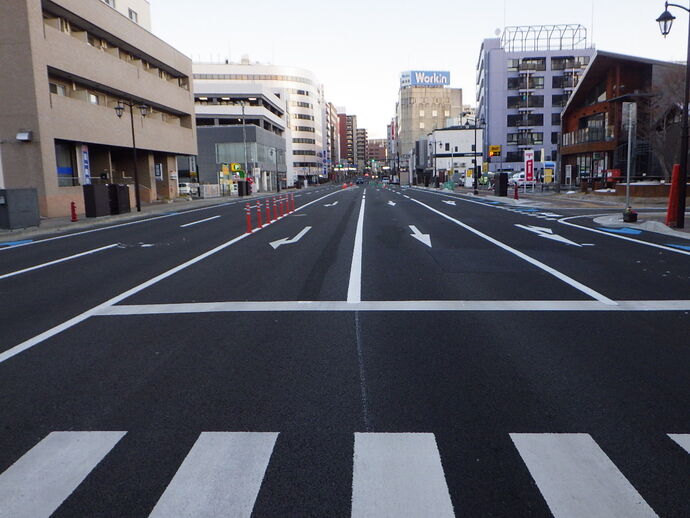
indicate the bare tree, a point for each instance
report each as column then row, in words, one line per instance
column 662, row 128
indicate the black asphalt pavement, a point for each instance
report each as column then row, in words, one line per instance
column 381, row 351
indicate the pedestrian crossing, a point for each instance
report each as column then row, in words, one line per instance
column 393, row 475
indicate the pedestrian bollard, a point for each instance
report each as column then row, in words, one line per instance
column 259, row 217
column 516, row 194
column 275, row 209
column 268, row 211
column 73, row 210
column 248, row 213
column 282, row 206
column 292, row 203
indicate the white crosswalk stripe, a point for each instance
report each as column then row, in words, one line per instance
column 393, row 475
column 221, row 476
column 398, row 475
column 683, row 440
column 36, row 485
column 577, row 479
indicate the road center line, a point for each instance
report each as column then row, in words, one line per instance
column 354, row 290
column 559, row 275
column 57, row 261
column 32, row 342
column 200, row 221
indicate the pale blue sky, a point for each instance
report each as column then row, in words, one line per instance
column 358, row 48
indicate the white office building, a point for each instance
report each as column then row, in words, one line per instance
column 304, row 99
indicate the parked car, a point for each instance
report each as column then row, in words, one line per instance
column 184, row 189
column 359, row 180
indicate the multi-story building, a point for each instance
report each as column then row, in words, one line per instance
column 139, row 11
column 347, row 125
column 595, row 136
column 524, row 80
column 361, row 157
column 455, row 150
column 244, row 124
column 332, row 132
column 303, row 94
column 425, row 102
column 73, row 62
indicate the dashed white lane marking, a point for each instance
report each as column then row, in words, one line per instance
column 398, row 306
column 577, row 479
column 354, row 290
column 221, row 476
column 37, row 484
column 398, row 474
column 552, row 271
column 34, row 341
column 57, row 261
column 200, row 221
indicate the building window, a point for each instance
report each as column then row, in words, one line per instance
column 93, row 99
column 447, row 146
column 554, row 137
column 421, row 113
column 513, row 65
column 434, row 113
column 133, row 16
column 111, row 3
column 559, row 99
column 556, row 119
column 421, row 125
column 58, row 89
column 446, row 113
column 67, row 173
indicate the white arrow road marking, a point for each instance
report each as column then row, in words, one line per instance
column 548, row 234
column 288, row 241
column 449, row 202
column 331, row 204
column 424, row 238
column 392, row 203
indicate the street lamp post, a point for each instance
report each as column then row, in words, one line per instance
column 119, row 111
column 665, row 22
column 476, row 122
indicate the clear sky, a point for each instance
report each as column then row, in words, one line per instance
column 358, row 48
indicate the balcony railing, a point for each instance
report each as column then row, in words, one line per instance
column 586, row 135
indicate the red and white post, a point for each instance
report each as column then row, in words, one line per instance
column 268, row 211
column 248, row 213
column 259, row 217
column 275, row 209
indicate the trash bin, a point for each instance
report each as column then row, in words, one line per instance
column 19, row 208
column 242, row 188
column 501, row 184
column 119, row 199
column 96, row 200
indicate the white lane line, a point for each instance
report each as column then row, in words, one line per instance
column 561, row 276
column 354, row 290
column 57, row 261
column 221, row 476
column 683, row 440
column 37, row 484
column 119, row 225
column 577, row 479
column 565, row 221
column 399, row 306
column 398, row 474
column 200, row 221
column 32, row 342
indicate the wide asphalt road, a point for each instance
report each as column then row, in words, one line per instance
column 384, row 352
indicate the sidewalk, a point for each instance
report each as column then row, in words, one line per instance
column 58, row 225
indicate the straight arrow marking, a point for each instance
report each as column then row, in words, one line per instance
column 424, row 238
column 331, row 204
column 288, row 241
column 449, row 202
column 392, row 203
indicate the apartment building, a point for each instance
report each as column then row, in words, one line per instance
column 332, row 131
column 361, row 154
column 139, row 11
column 524, row 80
column 347, row 126
column 74, row 62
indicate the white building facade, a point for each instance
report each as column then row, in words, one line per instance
column 454, row 150
column 305, row 104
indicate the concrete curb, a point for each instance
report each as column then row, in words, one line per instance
column 616, row 221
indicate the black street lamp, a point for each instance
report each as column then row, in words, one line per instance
column 119, row 111
column 476, row 122
column 665, row 23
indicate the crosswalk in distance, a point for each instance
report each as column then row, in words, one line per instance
column 393, row 475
